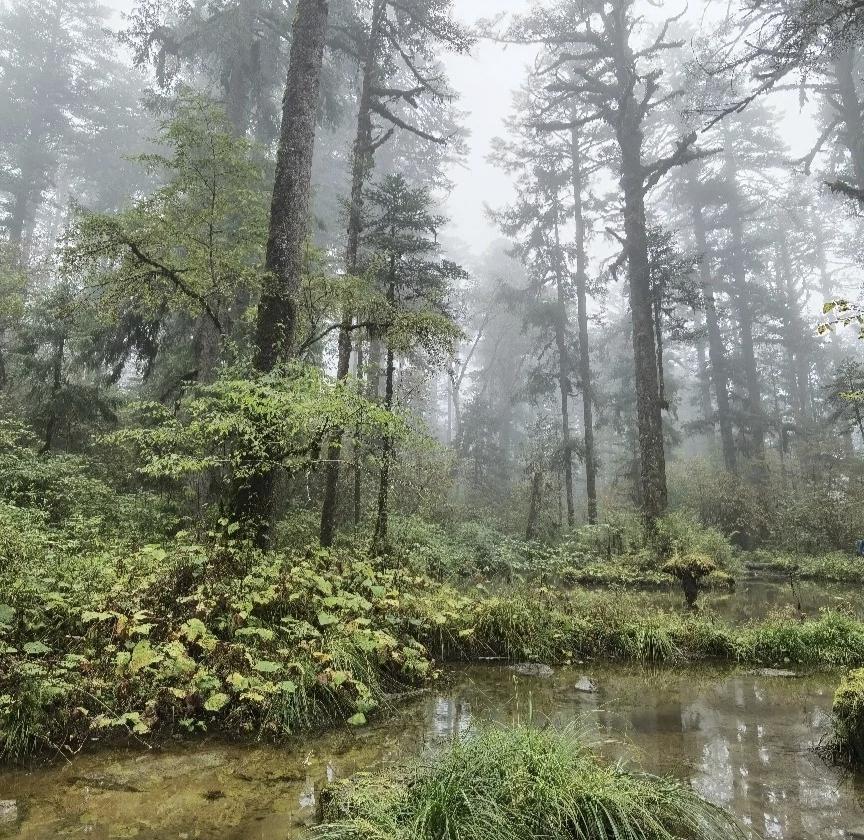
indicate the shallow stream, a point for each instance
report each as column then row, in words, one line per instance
column 742, row 739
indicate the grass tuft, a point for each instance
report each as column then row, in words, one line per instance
column 519, row 783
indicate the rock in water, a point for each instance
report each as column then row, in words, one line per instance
column 585, row 685
column 8, row 811
column 773, row 672
column 532, row 669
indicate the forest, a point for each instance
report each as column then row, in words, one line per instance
column 432, row 420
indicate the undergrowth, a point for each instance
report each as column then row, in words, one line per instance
column 184, row 637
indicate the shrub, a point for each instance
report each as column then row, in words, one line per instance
column 808, row 511
column 183, row 637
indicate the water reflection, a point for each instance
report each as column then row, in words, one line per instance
column 742, row 740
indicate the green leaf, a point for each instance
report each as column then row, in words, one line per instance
column 7, row 613
column 35, row 648
column 357, row 720
column 325, row 618
column 216, row 702
column 143, row 656
column 265, row 666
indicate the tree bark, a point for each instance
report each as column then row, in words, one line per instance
column 716, row 351
column 582, row 318
column 289, row 210
column 334, row 448
column 652, row 457
column 379, row 540
column 252, row 501
column 358, row 452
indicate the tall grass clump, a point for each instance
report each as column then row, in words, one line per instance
column 519, row 783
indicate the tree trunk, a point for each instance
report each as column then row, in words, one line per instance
column 744, row 308
column 56, row 385
column 582, row 318
column 334, row 449
column 379, row 541
column 252, row 501
column 652, row 457
column 704, row 381
column 289, row 210
column 362, row 162
column 358, row 450
column 716, row 351
column 534, row 502
column 563, row 372
column 795, row 337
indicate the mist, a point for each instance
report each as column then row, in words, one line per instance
column 342, row 341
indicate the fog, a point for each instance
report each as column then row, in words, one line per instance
column 611, row 280
column 343, row 339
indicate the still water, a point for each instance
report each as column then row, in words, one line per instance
column 742, row 739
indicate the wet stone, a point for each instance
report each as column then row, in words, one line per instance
column 774, row 672
column 532, row 669
column 585, row 685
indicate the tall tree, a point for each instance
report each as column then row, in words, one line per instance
column 595, row 59
column 696, row 198
column 542, row 164
column 289, row 220
column 400, row 237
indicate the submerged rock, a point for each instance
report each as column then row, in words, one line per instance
column 774, row 672
column 532, row 669
column 585, row 685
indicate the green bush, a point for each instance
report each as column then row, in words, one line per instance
column 773, row 505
